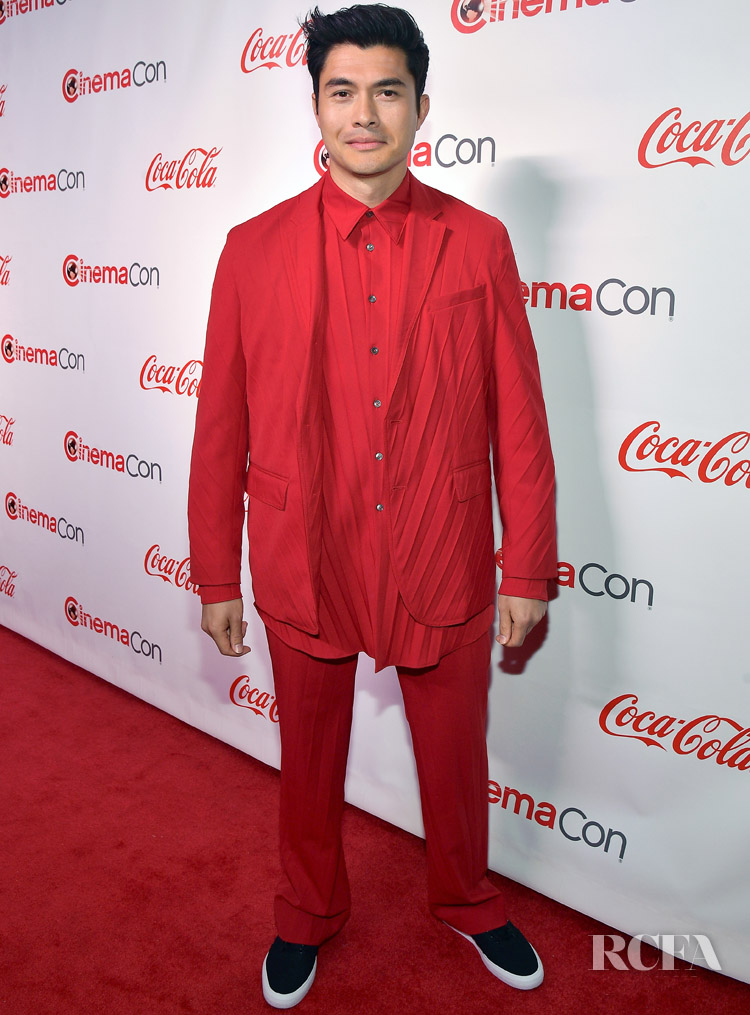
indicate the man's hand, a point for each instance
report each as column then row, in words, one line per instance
column 517, row 617
column 224, row 623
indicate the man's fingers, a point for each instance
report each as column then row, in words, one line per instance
column 237, row 630
column 506, row 626
column 224, row 624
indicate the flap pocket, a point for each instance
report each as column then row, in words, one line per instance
column 456, row 298
column 267, row 486
column 473, row 479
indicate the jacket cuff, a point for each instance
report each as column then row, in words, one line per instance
column 525, row 588
column 219, row 593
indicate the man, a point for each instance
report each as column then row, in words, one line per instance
column 365, row 340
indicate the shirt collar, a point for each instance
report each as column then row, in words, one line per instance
column 346, row 211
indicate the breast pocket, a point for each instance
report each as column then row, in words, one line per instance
column 447, row 300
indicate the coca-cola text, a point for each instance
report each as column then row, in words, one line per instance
column 180, row 380
column 668, row 140
column 194, row 169
column 730, row 746
column 645, row 449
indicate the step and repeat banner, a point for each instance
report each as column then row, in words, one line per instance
column 612, row 137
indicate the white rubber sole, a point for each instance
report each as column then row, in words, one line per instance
column 287, row 1000
column 512, row 979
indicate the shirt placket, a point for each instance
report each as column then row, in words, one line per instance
column 375, row 262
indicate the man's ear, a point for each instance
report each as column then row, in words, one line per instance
column 315, row 107
column 424, row 108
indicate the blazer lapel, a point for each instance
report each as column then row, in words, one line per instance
column 423, row 240
column 304, row 266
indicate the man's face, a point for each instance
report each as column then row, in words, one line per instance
column 367, row 112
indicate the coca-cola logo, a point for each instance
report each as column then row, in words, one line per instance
column 5, row 268
column 6, row 429
column 11, row 506
column 8, row 348
column 246, row 695
column 2, row 97
column 708, row 737
column 273, row 51
column 169, row 569
column 7, row 581
column 179, row 380
column 670, row 139
column 194, row 170
column 645, row 449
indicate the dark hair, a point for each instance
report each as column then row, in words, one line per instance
column 366, row 25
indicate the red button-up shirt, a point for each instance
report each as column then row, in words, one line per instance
column 360, row 605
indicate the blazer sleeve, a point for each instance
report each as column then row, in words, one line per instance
column 218, row 467
column 522, row 456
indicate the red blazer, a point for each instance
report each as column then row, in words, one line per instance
column 464, row 336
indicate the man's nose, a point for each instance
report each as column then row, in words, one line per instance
column 365, row 114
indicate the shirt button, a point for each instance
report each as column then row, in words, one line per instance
column 379, row 507
column 374, row 350
column 379, row 455
column 372, row 299
column 377, row 403
column 370, row 246
column 369, row 214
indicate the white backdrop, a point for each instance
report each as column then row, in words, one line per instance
column 611, row 137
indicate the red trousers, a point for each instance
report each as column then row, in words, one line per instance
column 446, row 707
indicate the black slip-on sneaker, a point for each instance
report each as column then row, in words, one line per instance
column 508, row 956
column 288, row 972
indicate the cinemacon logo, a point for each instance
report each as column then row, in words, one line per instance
column 597, row 581
column 75, row 271
column 724, row 461
column 709, row 737
column 58, row 526
column 178, row 380
column 7, row 581
column 670, row 139
column 572, row 822
column 448, row 151
column 78, row 617
column 76, row 450
column 169, row 569
column 14, row 352
column 11, row 8
column 612, row 297
column 6, row 430
column 194, row 169
column 270, row 52
column 468, row 16
column 76, row 84
column 243, row 693
column 63, row 180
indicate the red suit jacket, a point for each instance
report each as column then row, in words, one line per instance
column 464, row 376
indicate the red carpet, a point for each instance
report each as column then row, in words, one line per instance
column 138, row 869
